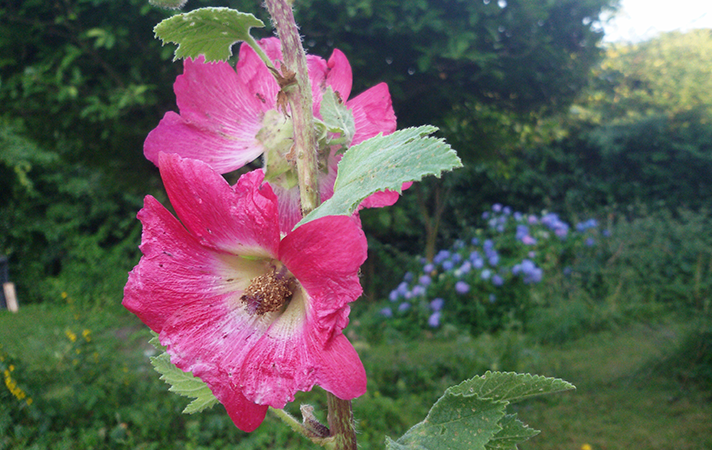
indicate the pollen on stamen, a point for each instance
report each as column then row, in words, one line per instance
column 267, row 293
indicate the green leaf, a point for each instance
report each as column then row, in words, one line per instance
column 182, row 383
column 472, row 415
column 456, row 422
column 509, row 386
column 207, row 31
column 168, row 4
column 386, row 162
column 513, row 432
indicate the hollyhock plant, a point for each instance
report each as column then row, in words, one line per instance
column 230, row 116
column 255, row 314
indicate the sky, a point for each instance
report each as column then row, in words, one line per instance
column 642, row 19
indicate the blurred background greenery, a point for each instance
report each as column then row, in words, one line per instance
column 544, row 116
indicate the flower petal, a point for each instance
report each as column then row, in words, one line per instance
column 373, row 113
column 174, row 269
column 255, row 75
column 219, row 119
column 340, row 369
column 325, row 255
column 340, row 76
column 240, row 220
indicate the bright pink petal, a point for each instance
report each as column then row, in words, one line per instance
column 341, row 371
column 383, row 198
column 325, row 255
column 339, row 77
column 240, row 220
column 219, row 119
column 255, row 75
column 373, row 113
column 174, row 268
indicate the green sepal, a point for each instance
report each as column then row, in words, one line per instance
column 337, row 117
column 385, row 162
column 182, row 383
column 208, row 31
column 472, row 415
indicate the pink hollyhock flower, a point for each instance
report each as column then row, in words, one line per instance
column 222, row 111
column 257, row 316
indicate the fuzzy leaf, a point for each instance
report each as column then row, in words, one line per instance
column 471, row 415
column 207, row 31
column 509, row 386
column 513, row 432
column 456, row 422
column 386, row 162
column 182, row 383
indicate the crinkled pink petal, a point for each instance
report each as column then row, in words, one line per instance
column 253, row 73
column 340, row 76
column 239, row 219
column 342, row 372
column 325, row 255
column 174, row 269
column 335, row 73
column 219, row 119
column 373, row 113
column 383, row 198
column 259, row 80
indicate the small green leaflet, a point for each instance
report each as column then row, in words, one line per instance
column 386, row 162
column 513, row 432
column 471, row 415
column 168, row 4
column 207, row 31
column 182, row 383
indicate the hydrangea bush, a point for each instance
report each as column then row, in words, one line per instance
column 485, row 282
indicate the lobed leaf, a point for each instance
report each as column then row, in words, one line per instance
column 513, row 432
column 472, row 415
column 182, row 383
column 207, row 31
column 456, row 422
column 386, row 162
column 509, row 386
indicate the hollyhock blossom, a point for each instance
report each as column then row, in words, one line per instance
column 228, row 115
column 256, row 315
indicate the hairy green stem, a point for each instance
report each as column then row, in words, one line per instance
column 341, row 422
column 300, row 102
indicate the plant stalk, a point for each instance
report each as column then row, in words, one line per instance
column 341, row 422
column 300, row 101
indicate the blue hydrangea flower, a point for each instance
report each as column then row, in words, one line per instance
column 393, row 296
column 437, row 304
column 441, row 256
column 448, row 265
column 425, row 280
column 492, row 298
column 418, row 290
column 403, row 307
column 497, row 207
column 497, row 280
column 434, row 319
column 428, row 268
column 462, row 288
column 386, row 312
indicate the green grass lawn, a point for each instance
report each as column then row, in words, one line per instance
column 623, row 400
